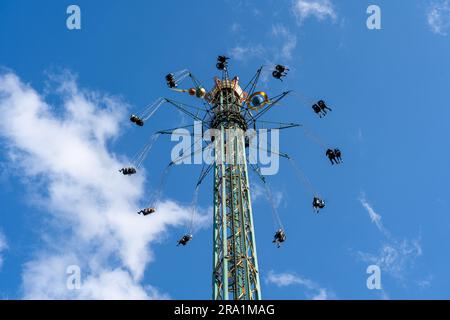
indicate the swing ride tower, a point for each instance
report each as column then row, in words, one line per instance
column 235, row 263
column 229, row 113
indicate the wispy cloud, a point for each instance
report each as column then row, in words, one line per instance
column 283, row 44
column 90, row 207
column 313, row 290
column 319, row 9
column 394, row 256
column 3, row 247
column 438, row 17
column 258, row 192
column 374, row 217
column 247, row 52
column 283, row 41
column 288, row 41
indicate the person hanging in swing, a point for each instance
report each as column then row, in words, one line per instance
column 317, row 110
column 222, row 63
column 332, row 156
column 185, row 239
column 170, row 80
column 135, row 119
column 280, row 72
column 279, row 237
column 128, row 171
column 323, row 107
column 147, row 211
column 318, row 204
column 338, row 155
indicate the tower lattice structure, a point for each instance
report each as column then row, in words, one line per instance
column 229, row 112
column 235, row 262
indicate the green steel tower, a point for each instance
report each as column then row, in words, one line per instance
column 235, row 110
column 235, row 263
column 229, row 112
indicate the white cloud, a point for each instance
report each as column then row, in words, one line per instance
column 394, row 256
column 321, row 295
column 320, row 9
column 438, row 17
column 116, row 284
column 3, row 247
column 61, row 151
column 289, row 41
column 374, row 217
column 258, row 191
column 314, row 291
column 99, row 283
column 282, row 46
column 286, row 279
column 246, row 52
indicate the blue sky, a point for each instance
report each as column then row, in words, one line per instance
column 65, row 97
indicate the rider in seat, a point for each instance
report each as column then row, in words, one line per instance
column 279, row 72
column 279, row 237
column 332, row 156
column 135, row 119
column 338, row 155
column 128, row 171
column 222, row 63
column 147, row 211
column 171, row 81
column 185, row 239
column 318, row 204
